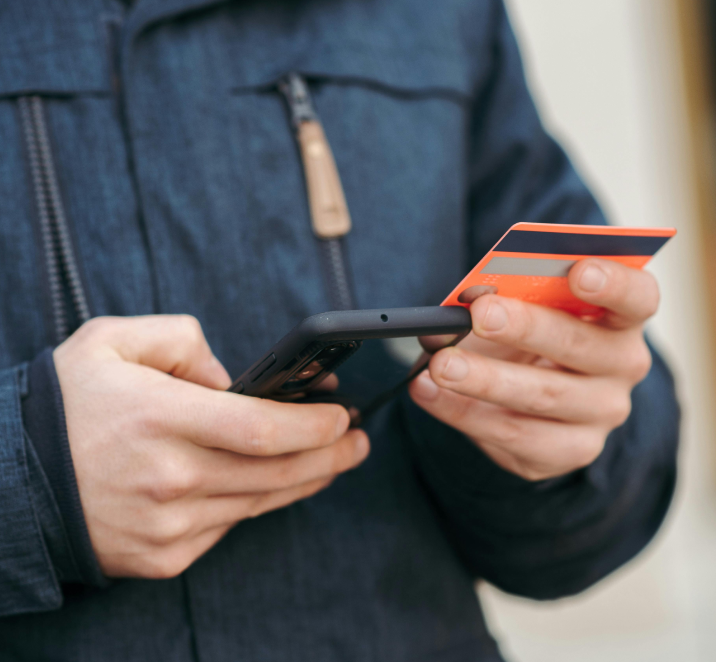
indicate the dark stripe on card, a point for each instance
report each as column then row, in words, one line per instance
column 572, row 243
column 527, row 266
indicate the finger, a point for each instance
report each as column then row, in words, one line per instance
column 534, row 448
column 171, row 560
column 631, row 296
column 474, row 292
column 560, row 337
column 243, row 424
column 330, row 383
column 174, row 344
column 224, row 473
column 264, row 503
column 222, row 511
column 473, row 343
column 432, row 344
column 532, row 390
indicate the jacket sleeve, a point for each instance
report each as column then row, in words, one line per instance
column 44, row 541
column 553, row 538
column 28, row 582
column 550, row 538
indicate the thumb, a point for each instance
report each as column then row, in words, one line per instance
column 174, row 344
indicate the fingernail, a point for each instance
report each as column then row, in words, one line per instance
column 455, row 369
column 592, row 279
column 425, row 387
column 495, row 317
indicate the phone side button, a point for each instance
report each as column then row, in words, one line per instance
column 262, row 367
column 239, row 388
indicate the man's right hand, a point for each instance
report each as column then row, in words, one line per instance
column 166, row 460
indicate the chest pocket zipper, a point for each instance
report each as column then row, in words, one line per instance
column 60, row 262
column 330, row 219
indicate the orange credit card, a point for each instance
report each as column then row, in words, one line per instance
column 532, row 260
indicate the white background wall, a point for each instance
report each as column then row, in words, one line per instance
column 606, row 77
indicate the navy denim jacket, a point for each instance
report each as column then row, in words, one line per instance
column 182, row 191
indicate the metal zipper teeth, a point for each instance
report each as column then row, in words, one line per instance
column 295, row 90
column 334, row 257
column 57, row 243
column 59, row 316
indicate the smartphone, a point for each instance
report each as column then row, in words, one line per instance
column 321, row 344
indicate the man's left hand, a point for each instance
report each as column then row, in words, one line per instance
column 537, row 389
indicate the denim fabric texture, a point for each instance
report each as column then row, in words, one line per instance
column 184, row 192
column 50, row 463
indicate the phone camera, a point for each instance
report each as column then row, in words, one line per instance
column 310, row 370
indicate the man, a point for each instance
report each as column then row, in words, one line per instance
column 149, row 178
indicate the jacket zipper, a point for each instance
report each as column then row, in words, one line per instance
column 60, row 260
column 330, row 218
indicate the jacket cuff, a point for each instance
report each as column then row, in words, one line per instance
column 27, row 579
column 54, row 485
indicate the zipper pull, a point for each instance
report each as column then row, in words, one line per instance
column 330, row 218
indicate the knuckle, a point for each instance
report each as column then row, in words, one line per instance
column 255, row 506
column 259, row 434
column 191, row 327
column 576, row 342
column 172, row 481
column 96, row 328
column 530, row 472
column 186, row 479
column 522, row 321
column 527, row 467
column 165, row 566
column 462, row 408
column 640, row 363
column 342, row 417
column 544, row 400
column 621, row 409
column 169, row 528
column 287, row 473
column 325, row 430
column 589, row 449
column 163, row 491
column 510, row 429
column 488, row 384
column 486, row 390
column 146, row 422
column 343, row 457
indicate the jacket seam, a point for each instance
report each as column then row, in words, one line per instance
column 407, row 93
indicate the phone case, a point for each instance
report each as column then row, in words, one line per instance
column 315, row 337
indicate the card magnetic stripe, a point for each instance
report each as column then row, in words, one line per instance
column 527, row 266
column 568, row 243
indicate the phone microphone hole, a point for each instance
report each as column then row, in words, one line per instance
column 384, row 317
